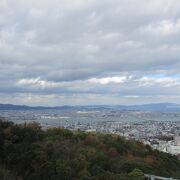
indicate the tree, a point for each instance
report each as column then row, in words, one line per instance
column 136, row 174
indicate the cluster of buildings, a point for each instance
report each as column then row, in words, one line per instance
column 159, row 130
column 163, row 136
column 171, row 146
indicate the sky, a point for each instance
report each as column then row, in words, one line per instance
column 82, row 52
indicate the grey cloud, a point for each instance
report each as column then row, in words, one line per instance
column 74, row 41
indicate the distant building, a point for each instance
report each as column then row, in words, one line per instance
column 174, row 149
column 177, row 140
column 91, row 130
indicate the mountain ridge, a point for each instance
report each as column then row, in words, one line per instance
column 161, row 107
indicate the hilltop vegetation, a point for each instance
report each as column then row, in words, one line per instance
column 29, row 153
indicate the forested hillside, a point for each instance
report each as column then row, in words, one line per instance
column 29, row 153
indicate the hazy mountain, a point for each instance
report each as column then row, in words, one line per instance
column 161, row 107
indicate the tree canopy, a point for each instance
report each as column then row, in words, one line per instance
column 27, row 152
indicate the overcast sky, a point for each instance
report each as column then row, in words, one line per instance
column 77, row 52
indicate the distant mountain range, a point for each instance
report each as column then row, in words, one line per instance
column 159, row 107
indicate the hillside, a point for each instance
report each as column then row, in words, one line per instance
column 29, row 153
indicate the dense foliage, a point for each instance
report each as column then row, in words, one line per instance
column 29, row 153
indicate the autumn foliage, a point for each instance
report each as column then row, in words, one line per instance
column 27, row 152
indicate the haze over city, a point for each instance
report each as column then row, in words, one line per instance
column 64, row 52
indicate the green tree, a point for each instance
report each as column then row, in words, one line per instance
column 136, row 174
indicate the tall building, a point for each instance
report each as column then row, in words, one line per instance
column 177, row 140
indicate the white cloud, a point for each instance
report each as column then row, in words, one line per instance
column 89, row 47
column 108, row 80
column 159, row 81
column 37, row 82
column 164, row 27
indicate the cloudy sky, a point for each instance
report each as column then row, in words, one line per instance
column 63, row 52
